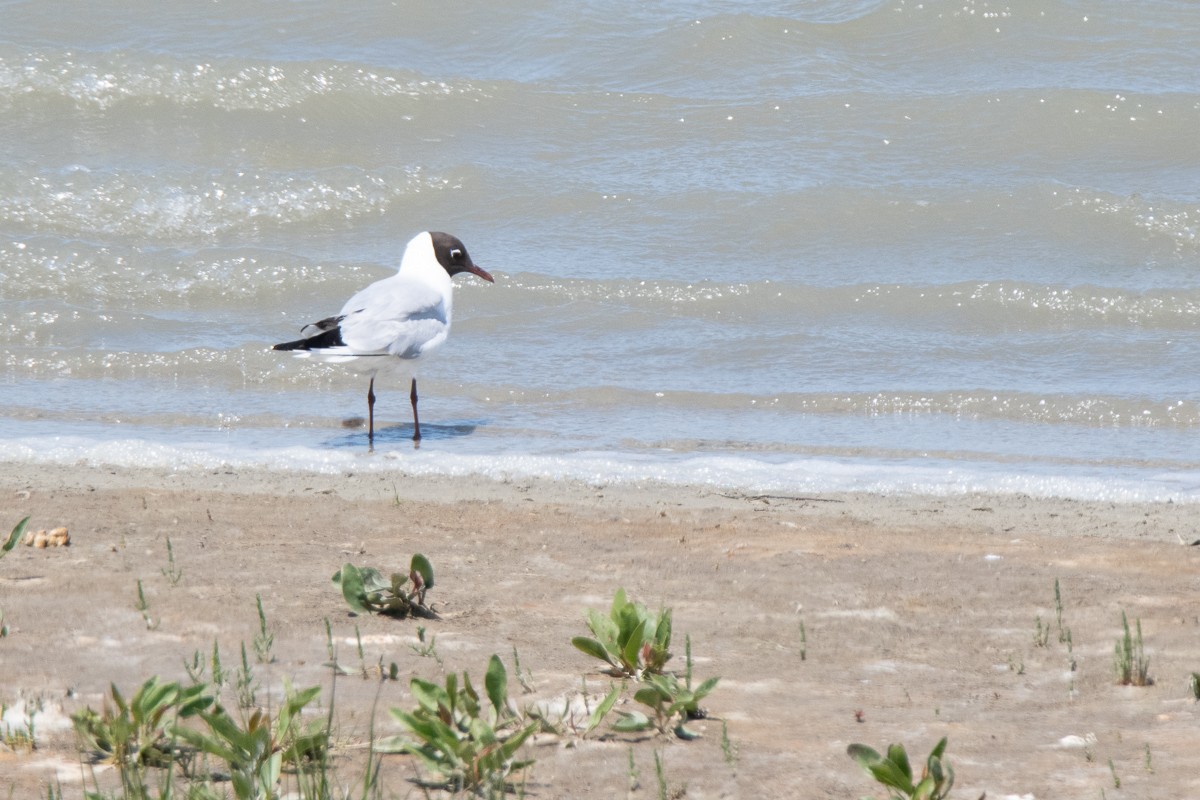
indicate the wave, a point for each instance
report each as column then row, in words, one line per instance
column 100, row 81
column 988, row 305
column 83, row 202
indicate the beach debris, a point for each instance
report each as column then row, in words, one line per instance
column 55, row 537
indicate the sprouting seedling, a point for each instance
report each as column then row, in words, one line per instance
column 727, row 746
column 1064, row 633
column 218, row 673
column 244, row 683
column 144, row 607
column 524, row 678
column 263, row 640
column 1129, row 657
column 195, row 667
column 337, row 668
column 172, row 573
column 1041, row 634
column 426, row 649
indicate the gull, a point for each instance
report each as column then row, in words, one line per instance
column 394, row 321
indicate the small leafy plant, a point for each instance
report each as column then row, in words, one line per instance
column 256, row 753
column 895, row 772
column 471, row 746
column 367, row 591
column 138, row 732
column 668, row 698
column 633, row 641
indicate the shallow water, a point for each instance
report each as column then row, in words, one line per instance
column 888, row 246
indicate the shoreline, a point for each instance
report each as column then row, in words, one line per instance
column 1164, row 521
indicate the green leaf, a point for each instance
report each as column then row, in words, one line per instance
column 603, row 628
column 631, row 650
column 373, row 580
column 685, row 734
column 592, row 648
column 631, row 722
column 898, row 756
column 391, row 744
column 495, row 682
column 352, row 587
column 420, row 565
column 601, row 711
column 887, row 773
column 514, row 742
column 14, row 537
column 650, row 696
column 938, row 749
column 703, row 689
column 428, row 695
column 662, row 634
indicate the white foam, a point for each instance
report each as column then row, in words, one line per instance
column 751, row 473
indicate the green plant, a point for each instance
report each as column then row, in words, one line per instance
column 171, row 572
column 13, row 537
column 426, row 649
column 366, row 590
column 23, row 735
column 263, row 641
column 1194, row 685
column 1129, row 657
column 456, row 737
column 1041, row 634
column 728, row 749
column 143, row 606
column 256, row 754
column 524, row 678
column 244, row 683
column 895, row 772
column 218, row 672
column 664, row 695
column 668, row 699
column 137, row 732
column 631, row 640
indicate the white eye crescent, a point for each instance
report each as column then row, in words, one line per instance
column 456, row 253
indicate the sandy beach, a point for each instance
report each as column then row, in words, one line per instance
column 919, row 617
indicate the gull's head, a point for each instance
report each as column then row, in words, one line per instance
column 452, row 254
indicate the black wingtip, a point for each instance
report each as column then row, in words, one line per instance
column 327, row 338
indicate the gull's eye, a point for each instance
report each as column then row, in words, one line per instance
column 455, row 254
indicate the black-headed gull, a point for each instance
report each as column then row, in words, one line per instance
column 395, row 320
